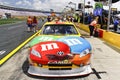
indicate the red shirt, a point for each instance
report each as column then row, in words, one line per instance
column 93, row 23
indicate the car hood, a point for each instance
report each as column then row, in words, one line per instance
column 52, row 49
column 75, row 43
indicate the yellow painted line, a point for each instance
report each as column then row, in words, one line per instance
column 16, row 49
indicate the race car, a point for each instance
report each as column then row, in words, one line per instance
column 59, row 51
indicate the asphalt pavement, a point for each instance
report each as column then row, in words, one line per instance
column 12, row 35
column 105, row 63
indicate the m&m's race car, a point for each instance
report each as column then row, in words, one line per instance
column 59, row 51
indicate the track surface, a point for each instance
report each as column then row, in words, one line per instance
column 105, row 64
column 13, row 35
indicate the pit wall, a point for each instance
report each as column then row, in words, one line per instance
column 110, row 37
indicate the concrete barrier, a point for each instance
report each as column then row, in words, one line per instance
column 82, row 26
column 110, row 37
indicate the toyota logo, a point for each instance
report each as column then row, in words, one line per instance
column 60, row 53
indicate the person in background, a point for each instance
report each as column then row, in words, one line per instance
column 64, row 18
column 42, row 19
column 29, row 23
column 92, row 26
column 116, row 22
column 89, row 18
column 77, row 18
column 48, row 18
column 58, row 19
column 35, row 24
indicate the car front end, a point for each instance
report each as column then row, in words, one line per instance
column 59, row 59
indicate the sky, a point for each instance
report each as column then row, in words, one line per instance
column 46, row 5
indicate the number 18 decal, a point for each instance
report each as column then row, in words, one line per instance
column 72, row 42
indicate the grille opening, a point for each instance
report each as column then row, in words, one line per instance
column 60, row 68
column 56, row 57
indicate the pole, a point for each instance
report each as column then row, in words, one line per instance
column 84, row 12
column 75, row 8
column 108, row 23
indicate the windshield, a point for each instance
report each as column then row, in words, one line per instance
column 59, row 29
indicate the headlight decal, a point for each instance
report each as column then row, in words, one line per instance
column 36, row 53
column 84, row 53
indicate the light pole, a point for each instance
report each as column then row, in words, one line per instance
column 70, row 12
column 84, row 12
column 108, row 23
column 74, row 5
column 69, row 7
column 65, row 10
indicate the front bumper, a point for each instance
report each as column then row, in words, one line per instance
column 38, row 71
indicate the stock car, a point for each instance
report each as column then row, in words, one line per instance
column 59, row 51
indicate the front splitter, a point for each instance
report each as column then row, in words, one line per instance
column 38, row 71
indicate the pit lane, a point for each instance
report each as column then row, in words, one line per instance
column 16, row 69
column 11, row 36
column 105, row 64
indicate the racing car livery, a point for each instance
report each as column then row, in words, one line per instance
column 59, row 51
column 59, row 56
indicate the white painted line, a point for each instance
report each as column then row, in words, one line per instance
column 2, row 52
column 13, row 27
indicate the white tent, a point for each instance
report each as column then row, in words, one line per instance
column 118, row 15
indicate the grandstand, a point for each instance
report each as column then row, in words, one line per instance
column 21, row 12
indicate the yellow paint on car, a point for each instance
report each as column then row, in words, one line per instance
column 73, row 66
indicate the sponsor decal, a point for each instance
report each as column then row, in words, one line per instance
column 49, row 46
column 72, row 42
column 60, row 62
column 76, row 44
column 60, row 53
column 41, row 39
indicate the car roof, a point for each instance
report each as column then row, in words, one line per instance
column 58, row 23
column 61, row 23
